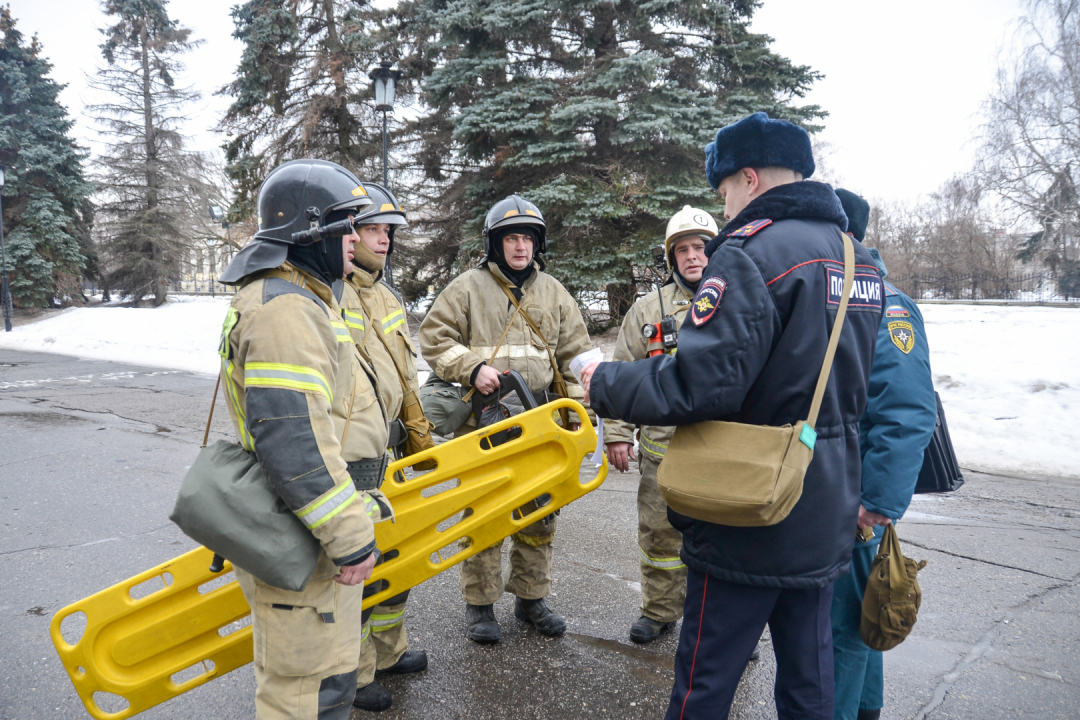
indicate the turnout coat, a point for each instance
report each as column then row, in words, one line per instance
column 750, row 351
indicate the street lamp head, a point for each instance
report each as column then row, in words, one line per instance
column 385, row 82
column 216, row 213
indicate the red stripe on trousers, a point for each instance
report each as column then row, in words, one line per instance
column 701, row 621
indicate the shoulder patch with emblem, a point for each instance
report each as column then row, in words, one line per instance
column 707, row 299
column 751, row 228
column 896, row 311
column 903, row 335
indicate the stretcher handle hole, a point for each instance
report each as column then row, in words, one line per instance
column 148, row 587
column 453, row 520
column 234, row 626
column 218, row 582
column 449, row 550
column 193, row 672
column 72, row 627
column 440, row 488
column 110, row 703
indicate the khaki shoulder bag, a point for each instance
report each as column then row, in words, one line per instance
column 748, row 475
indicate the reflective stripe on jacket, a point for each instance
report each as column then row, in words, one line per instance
column 464, row 324
column 288, row 374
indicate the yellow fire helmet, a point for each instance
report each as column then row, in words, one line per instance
column 688, row 221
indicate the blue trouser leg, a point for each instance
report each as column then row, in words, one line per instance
column 722, row 623
column 802, row 640
column 858, row 669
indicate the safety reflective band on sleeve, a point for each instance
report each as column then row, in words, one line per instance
column 364, row 634
column 382, row 623
column 342, row 332
column 370, row 506
column 393, row 320
column 329, row 506
column 234, row 398
column 352, row 319
column 653, row 448
column 668, row 563
column 290, row 377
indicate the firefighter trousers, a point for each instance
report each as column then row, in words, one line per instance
column 663, row 574
column 306, row 646
column 530, row 566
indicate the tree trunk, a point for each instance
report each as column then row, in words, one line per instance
column 337, row 73
column 157, row 283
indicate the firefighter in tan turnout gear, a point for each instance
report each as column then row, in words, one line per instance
column 663, row 574
column 291, row 371
column 505, row 315
column 375, row 317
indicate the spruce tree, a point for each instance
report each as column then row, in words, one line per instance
column 146, row 177
column 45, row 195
column 595, row 110
column 302, row 90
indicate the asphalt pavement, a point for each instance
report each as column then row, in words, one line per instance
column 92, row 453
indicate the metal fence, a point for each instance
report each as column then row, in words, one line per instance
column 1033, row 287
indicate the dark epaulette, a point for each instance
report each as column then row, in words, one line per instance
column 751, row 228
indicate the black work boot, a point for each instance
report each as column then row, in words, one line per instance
column 869, row 714
column 539, row 614
column 411, row 661
column 373, row 698
column 483, row 627
column 645, row 629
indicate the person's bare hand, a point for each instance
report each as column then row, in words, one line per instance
column 871, row 519
column 619, row 455
column 487, row 379
column 356, row 574
column 586, row 378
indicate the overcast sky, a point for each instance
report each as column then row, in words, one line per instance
column 903, row 85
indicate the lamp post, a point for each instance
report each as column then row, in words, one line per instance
column 385, row 81
column 217, row 214
column 210, row 264
column 5, row 291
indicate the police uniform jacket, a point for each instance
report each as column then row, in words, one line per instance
column 289, row 372
column 750, row 351
column 632, row 345
column 463, row 327
column 901, row 410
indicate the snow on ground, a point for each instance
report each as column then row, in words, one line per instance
column 1009, row 377
column 182, row 334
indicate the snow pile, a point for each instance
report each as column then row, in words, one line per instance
column 182, row 334
column 1009, row 379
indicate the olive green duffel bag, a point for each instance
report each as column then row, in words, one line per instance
column 893, row 596
column 226, row 504
column 748, row 475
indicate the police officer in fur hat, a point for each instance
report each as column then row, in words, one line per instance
column 750, row 352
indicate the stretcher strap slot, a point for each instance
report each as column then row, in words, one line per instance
column 440, row 488
column 218, row 582
column 234, row 626
column 453, row 520
column 450, row 550
column 148, row 587
column 193, row 672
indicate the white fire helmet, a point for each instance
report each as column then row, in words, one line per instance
column 688, row 221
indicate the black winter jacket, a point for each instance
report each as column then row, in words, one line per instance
column 751, row 353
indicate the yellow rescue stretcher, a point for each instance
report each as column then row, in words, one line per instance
column 148, row 648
